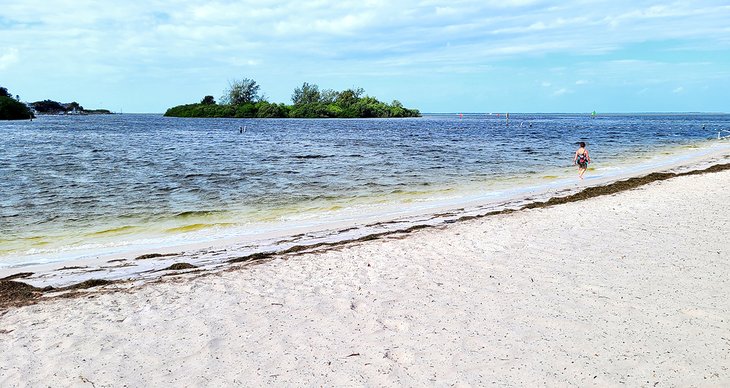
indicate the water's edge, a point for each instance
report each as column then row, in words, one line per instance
column 149, row 265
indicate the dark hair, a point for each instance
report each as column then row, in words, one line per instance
column 583, row 144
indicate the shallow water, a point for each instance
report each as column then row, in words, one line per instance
column 79, row 185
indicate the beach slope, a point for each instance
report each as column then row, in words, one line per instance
column 627, row 289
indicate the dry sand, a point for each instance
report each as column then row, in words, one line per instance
column 630, row 289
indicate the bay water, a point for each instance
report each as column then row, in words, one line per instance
column 80, row 186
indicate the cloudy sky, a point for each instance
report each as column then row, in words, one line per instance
column 437, row 56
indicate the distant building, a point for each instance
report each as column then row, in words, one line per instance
column 30, row 108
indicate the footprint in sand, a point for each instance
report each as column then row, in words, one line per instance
column 400, row 356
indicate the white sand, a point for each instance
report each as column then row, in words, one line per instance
column 630, row 289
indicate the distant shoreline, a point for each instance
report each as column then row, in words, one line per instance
column 501, row 114
column 84, row 113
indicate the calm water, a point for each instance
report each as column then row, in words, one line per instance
column 70, row 182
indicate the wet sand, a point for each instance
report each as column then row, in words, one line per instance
column 627, row 288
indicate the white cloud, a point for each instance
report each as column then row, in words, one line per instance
column 678, row 90
column 357, row 39
column 8, row 57
column 466, row 31
column 447, row 11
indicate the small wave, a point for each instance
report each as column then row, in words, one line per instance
column 195, row 227
column 374, row 185
column 312, row 156
column 323, row 197
column 408, row 192
column 33, row 238
column 197, row 213
column 113, row 231
column 332, row 208
column 33, row 241
column 7, row 252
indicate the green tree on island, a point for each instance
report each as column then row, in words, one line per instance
column 242, row 99
column 74, row 106
column 241, row 92
column 48, row 107
column 307, row 94
column 13, row 109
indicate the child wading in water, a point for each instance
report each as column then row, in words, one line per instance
column 581, row 159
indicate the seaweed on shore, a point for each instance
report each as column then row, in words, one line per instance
column 301, row 248
column 70, row 268
column 18, row 275
column 153, row 256
column 13, row 293
column 624, row 185
column 492, row 213
column 713, row 168
column 16, row 294
column 252, row 257
column 179, row 267
column 86, row 284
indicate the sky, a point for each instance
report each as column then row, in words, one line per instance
column 435, row 56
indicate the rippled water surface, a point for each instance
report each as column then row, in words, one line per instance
column 68, row 181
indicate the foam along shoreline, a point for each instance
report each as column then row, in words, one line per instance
column 218, row 254
column 623, row 289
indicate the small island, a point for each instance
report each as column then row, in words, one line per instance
column 242, row 100
column 11, row 108
column 50, row 107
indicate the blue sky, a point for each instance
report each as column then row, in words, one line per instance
column 437, row 56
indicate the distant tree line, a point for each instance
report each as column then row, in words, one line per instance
column 11, row 108
column 55, row 107
column 242, row 99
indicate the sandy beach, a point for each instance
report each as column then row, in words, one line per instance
column 629, row 289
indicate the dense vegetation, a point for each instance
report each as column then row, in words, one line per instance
column 11, row 108
column 55, row 107
column 48, row 107
column 242, row 99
